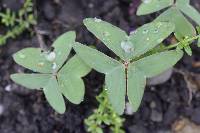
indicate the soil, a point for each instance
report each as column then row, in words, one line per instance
column 26, row 111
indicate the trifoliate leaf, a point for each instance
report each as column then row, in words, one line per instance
column 149, row 35
column 33, row 59
column 150, row 6
column 53, row 95
column 110, row 35
column 157, row 63
column 32, row 81
column 62, row 47
column 174, row 16
column 69, row 79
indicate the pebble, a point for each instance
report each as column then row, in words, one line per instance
column 8, row 88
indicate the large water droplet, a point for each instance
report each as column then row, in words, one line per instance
column 97, row 20
column 127, row 46
column 22, row 56
column 51, row 56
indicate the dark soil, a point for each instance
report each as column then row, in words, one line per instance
column 25, row 111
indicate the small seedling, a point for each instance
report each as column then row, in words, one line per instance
column 52, row 74
column 174, row 14
column 17, row 23
column 104, row 115
column 127, row 76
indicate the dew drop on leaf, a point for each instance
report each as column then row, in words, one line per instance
column 106, row 34
column 97, row 20
column 54, row 66
column 155, row 31
column 148, row 39
column 145, row 31
column 133, row 32
column 127, row 46
column 146, row 1
column 51, row 56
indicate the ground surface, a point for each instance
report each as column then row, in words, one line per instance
column 25, row 111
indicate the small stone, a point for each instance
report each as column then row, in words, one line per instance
column 129, row 109
column 8, row 88
column 156, row 116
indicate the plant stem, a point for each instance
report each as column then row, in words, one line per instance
column 176, row 44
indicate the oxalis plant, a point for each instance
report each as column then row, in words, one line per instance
column 127, row 74
column 138, row 58
column 175, row 11
column 51, row 74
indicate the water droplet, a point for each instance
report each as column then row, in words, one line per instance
column 146, row 1
column 51, row 56
column 97, row 20
column 156, row 31
column 106, row 33
column 145, row 31
column 54, row 66
column 148, row 39
column 106, row 89
column 133, row 32
column 22, row 56
column 41, row 64
column 127, row 46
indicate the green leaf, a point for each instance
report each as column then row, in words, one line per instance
column 53, row 95
column 32, row 81
column 150, row 6
column 188, row 50
column 182, row 2
column 190, row 12
column 62, row 47
column 150, row 35
column 95, row 59
column 157, row 63
column 33, row 59
column 69, row 79
column 135, row 88
column 173, row 15
column 115, row 81
column 109, row 34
